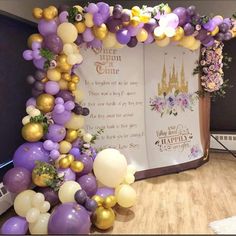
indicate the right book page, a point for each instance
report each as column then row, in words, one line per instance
column 172, row 119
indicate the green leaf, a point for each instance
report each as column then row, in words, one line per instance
column 72, row 12
column 47, row 54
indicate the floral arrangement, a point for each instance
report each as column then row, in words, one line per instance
column 58, row 157
column 172, row 103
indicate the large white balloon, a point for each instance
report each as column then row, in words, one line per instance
column 41, row 225
column 110, row 167
column 125, row 195
column 67, row 191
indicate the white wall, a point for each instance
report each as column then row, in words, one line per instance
column 23, row 8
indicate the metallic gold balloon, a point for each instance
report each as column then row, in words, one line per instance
column 66, row 76
column 215, row 31
column 135, row 21
column 71, row 135
column 80, row 26
column 103, row 218
column 45, row 80
column 179, row 34
column 70, row 157
column 45, row 102
column 71, row 86
column 98, row 199
column 109, row 201
column 54, row 10
column 64, row 163
column 34, row 38
column 75, row 79
column 41, row 180
column 136, row 11
column 32, row 132
column 145, row 18
column 53, row 74
column 77, row 166
column 48, row 14
column 63, row 84
column 37, row 13
column 62, row 64
column 100, row 32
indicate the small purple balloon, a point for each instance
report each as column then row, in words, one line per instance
column 133, row 42
column 228, row 22
column 227, row 36
column 188, row 29
column 56, row 133
column 15, row 225
column 219, row 37
column 150, row 39
column 69, row 218
column 150, row 26
column 50, row 195
column 97, row 19
column 26, row 155
column 105, row 191
column 202, row 34
column 89, row 184
column 68, row 174
column 31, row 102
column 17, row 179
column 112, row 24
column 39, row 64
column 65, row 95
column 208, row 41
column 88, row 35
column 28, row 55
column 217, row 20
column 63, row 16
column 75, row 152
column 210, row 25
column 61, row 118
column 181, row 12
column 78, row 143
column 52, row 87
column 96, row 43
column 46, row 27
column 53, row 43
column 92, row 8
column 223, row 27
column 133, row 31
column 79, row 39
column 88, row 164
column 123, row 36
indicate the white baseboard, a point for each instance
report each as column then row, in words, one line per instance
column 6, row 199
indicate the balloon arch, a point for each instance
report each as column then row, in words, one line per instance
column 58, row 157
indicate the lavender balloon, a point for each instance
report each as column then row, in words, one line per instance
column 26, row 155
column 17, row 179
column 133, row 31
column 53, row 43
column 202, row 34
column 65, row 95
column 92, row 8
column 75, row 152
column 63, row 16
column 223, row 27
column 88, row 35
column 31, row 102
column 78, row 143
column 15, row 225
column 105, row 191
column 47, row 27
column 182, row 15
column 28, row 55
column 96, row 43
column 52, row 87
column 68, row 174
column 56, row 133
column 150, row 39
column 150, row 26
column 61, row 118
column 123, row 36
column 50, row 195
column 39, row 64
column 89, row 184
column 210, row 25
column 188, row 29
column 97, row 19
column 69, row 218
column 88, row 164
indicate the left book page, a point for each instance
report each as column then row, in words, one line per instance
column 112, row 81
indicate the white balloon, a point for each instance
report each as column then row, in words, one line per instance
column 34, row 112
column 87, row 138
column 41, row 225
column 67, row 191
column 72, row 59
column 32, row 215
column 29, row 109
column 26, row 120
column 169, row 31
column 68, row 48
column 44, row 207
column 38, row 200
column 125, row 195
column 110, row 167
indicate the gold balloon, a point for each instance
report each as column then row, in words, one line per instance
column 80, row 26
column 32, row 132
column 64, row 147
column 215, row 31
column 45, row 80
column 54, row 10
column 45, row 102
column 63, row 84
column 34, row 38
column 75, row 79
column 64, row 163
column 71, row 86
column 77, row 166
column 70, row 157
column 179, row 34
column 98, row 199
column 37, row 13
column 100, row 32
column 103, row 218
column 62, row 64
column 145, row 18
column 66, row 76
column 48, row 14
column 54, row 74
column 135, row 21
column 41, row 180
column 109, row 201
column 136, row 11
column 71, row 135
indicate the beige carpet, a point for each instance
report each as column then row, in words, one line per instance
column 225, row 226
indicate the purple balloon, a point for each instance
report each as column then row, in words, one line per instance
column 228, row 22
column 75, row 152
column 228, row 35
column 125, row 17
column 133, row 42
column 56, row 133
column 63, row 16
column 191, row 10
column 96, row 43
column 217, row 20
column 89, row 184
column 150, row 26
column 88, row 164
column 92, row 8
column 50, row 195
column 223, row 27
column 53, row 43
column 105, row 191
column 69, row 218
column 26, row 155
column 78, row 143
column 219, row 37
column 68, row 174
column 88, row 35
column 31, row 102
column 97, row 19
column 181, row 12
column 123, row 36
column 149, row 40
column 36, row 93
column 202, row 34
column 188, row 29
column 52, row 87
column 28, row 55
column 113, row 24
column 133, row 30
column 210, row 25
column 66, row 95
column 208, row 41
column 46, row 27
column 15, row 225
column 39, row 64
column 61, row 118
column 17, row 179
column 79, row 39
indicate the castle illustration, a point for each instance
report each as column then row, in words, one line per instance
column 175, row 81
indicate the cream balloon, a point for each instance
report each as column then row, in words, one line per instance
column 67, row 32
column 129, row 178
column 87, row 137
column 75, row 122
column 79, row 95
column 32, row 215
column 67, row 191
column 110, row 40
column 131, row 169
column 164, row 42
column 34, row 112
column 110, row 167
column 22, row 202
column 125, row 195
column 119, row 45
column 38, row 200
column 41, row 225
column 187, row 41
column 169, row 32
column 64, row 147
column 68, row 49
column 45, row 207
column 26, row 120
column 88, row 20
column 196, row 45
column 142, row 35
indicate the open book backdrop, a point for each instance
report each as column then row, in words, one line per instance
column 145, row 100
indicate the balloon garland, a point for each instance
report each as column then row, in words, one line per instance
column 58, row 157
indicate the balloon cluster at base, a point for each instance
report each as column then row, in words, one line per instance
column 75, row 186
